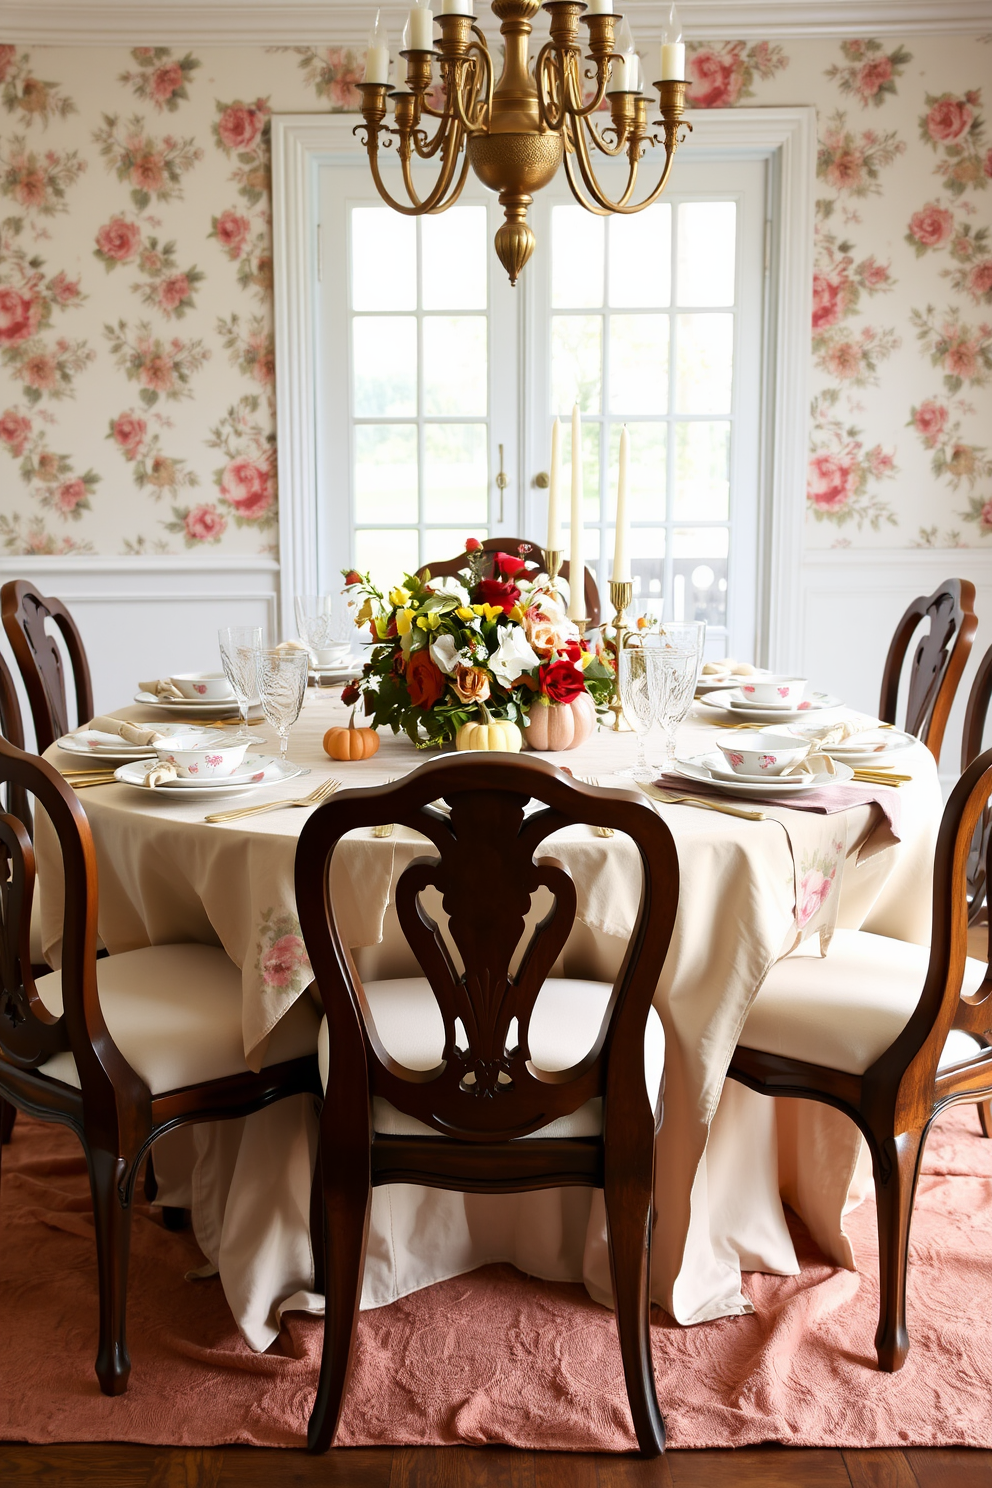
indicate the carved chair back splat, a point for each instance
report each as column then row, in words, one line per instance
column 24, row 612
column 520, row 547
column 485, row 1093
column 938, row 661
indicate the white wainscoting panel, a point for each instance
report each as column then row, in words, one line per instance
column 851, row 601
column 147, row 617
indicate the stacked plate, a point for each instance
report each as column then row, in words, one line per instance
column 733, row 702
column 872, row 746
column 257, row 771
column 191, row 706
column 99, row 746
column 712, row 769
column 710, row 682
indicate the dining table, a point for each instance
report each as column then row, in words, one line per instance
column 753, row 888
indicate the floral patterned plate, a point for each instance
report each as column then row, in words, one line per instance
column 704, row 767
column 730, row 702
column 257, row 771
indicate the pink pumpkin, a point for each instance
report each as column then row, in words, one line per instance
column 560, row 726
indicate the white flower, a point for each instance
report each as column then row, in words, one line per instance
column 512, row 656
column 451, row 586
column 445, row 653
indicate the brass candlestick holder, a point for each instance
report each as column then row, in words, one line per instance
column 552, row 562
column 621, row 594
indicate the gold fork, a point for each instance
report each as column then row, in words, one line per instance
column 316, row 798
column 669, row 798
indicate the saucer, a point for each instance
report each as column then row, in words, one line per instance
column 257, row 771
column 699, row 767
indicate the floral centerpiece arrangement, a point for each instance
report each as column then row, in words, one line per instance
column 451, row 652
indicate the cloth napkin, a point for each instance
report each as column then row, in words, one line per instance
column 163, row 688
column 107, row 731
column 838, row 733
column 814, row 763
column 159, row 774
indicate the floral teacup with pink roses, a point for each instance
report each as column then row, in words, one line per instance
column 200, row 757
column 773, row 691
column 205, row 687
column 761, row 754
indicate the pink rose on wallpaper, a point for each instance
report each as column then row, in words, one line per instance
column 873, row 273
column 119, row 239
column 148, row 173
column 47, row 466
column 157, row 372
column 7, row 55
column 39, row 372
column 129, row 432
column 232, row 232
column 69, row 494
column 846, row 169
column 932, row 225
column 204, row 524
column 980, row 279
column 165, row 80
column 172, row 291
column 63, row 289
column 948, row 120
column 873, row 75
column 264, row 370
column 20, row 316
column 240, row 126
column 879, row 462
column 985, row 517
column 844, row 359
column 833, row 480
column 247, row 487
column 929, row 420
column 826, row 302
column 961, row 359
column 30, row 189
column 283, row 960
column 14, row 431
column 714, row 81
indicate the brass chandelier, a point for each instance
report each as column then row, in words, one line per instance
column 516, row 132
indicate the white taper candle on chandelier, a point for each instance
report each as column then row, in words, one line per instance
column 621, row 563
column 456, row 7
column 600, row 7
column 672, row 49
column 377, row 56
column 623, row 68
column 576, row 566
column 554, row 518
column 418, row 33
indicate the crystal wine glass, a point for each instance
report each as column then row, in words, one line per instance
column 238, row 645
column 677, row 650
column 282, row 683
column 638, row 694
column 325, row 627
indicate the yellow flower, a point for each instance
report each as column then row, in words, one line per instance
column 517, row 613
column 404, row 621
column 584, row 659
column 429, row 622
column 487, row 611
column 365, row 613
column 398, row 596
column 464, row 613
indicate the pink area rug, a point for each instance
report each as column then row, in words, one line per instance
column 494, row 1357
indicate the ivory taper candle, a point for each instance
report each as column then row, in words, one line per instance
column 554, row 519
column 377, row 56
column 576, row 567
column 621, row 564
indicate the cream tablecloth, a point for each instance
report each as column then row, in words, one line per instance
column 726, row 1157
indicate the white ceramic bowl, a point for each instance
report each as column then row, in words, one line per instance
column 773, row 692
column 196, row 760
column 208, row 687
column 748, row 752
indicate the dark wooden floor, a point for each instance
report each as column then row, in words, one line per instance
column 464, row 1467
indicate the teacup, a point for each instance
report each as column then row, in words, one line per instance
column 748, row 752
column 209, row 687
column 330, row 656
column 196, row 758
column 774, row 692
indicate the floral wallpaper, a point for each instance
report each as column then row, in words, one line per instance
column 137, row 399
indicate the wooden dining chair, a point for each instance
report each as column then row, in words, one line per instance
column 125, row 1048
column 889, row 1033
column 938, row 661
column 519, row 547
column 451, row 1079
column 24, row 613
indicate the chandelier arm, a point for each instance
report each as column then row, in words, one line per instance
column 465, row 106
column 599, row 140
column 546, row 74
column 449, row 161
column 456, row 191
column 578, row 109
column 485, row 56
column 623, row 206
column 575, row 186
column 427, row 151
column 419, row 208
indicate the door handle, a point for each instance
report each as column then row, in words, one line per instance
column 502, row 481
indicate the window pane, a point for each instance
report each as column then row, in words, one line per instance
column 577, row 239
column 639, row 363
column 641, row 258
column 699, row 574
column 590, row 473
column 441, row 545
column 705, row 363
column 647, row 570
column 454, row 256
column 383, row 260
column 385, row 473
column 456, row 473
column 576, row 363
column 702, row 472
column 385, row 353
column 386, row 555
column 455, row 364
column 707, row 252
column 646, row 472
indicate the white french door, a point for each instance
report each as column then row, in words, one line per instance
column 434, row 377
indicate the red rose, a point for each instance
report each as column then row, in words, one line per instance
column 948, row 119
column 129, row 432
column 247, row 487
column 350, row 695
column 714, row 81
column 232, row 232
column 826, row 302
column 240, row 125
column 353, row 576
column 14, row 431
column 932, row 225
column 204, row 524
column 506, row 566
column 561, row 681
column 497, row 593
column 424, row 681
column 471, row 544
column 118, row 239
column 832, row 481
column 20, row 316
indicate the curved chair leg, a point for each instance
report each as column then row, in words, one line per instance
column 346, row 1210
column 8, row 1115
column 895, row 1190
column 628, row 1221
column 113, row 1241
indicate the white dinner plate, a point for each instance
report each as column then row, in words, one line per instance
column 117, row 754
column 699, row 767
column 716, row 682
column 873, row 747
column 728, row 702
column 258, row 771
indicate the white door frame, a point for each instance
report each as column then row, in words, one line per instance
column 784, row 137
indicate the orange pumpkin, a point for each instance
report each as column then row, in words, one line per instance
column 351, row 743
column 560, row 725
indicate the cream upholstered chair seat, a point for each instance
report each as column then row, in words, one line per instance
column 843, row 1010
column 566, row 1019
column 174, row 1012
